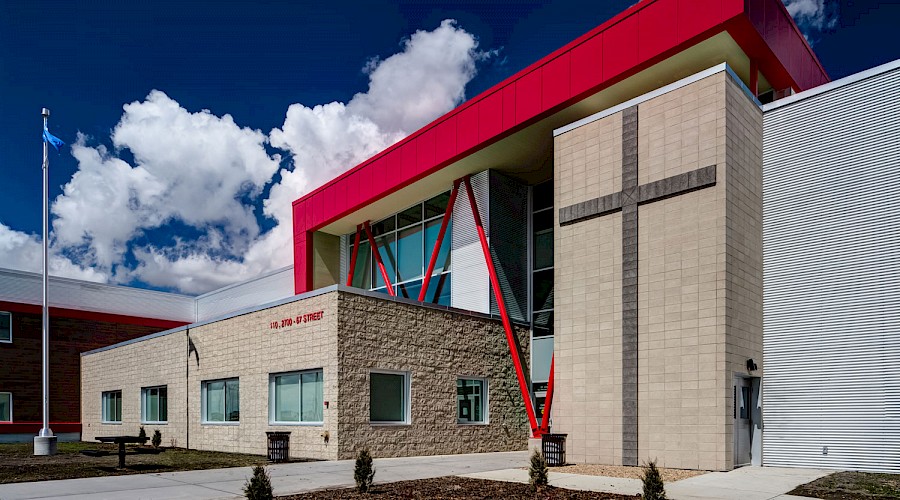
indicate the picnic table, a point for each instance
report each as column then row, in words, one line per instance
column 122, row 440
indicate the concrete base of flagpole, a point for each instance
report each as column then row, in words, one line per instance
column 44, row 445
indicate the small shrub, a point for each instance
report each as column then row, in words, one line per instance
column 157, row 438
column 653, row 483
column 259, row 487
column 364, row 472
column 142, row 433
column 537, row 473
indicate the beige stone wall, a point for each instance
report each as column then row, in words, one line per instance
column 153, row 362
column 435, row 347
column 699, row 280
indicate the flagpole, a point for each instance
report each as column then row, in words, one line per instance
column 45, row 441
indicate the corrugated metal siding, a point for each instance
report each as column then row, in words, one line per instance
column 509, row 244
column 267, row 288
column 26, row 288
column 469, row 283
column 345, row 258
column 832, row 279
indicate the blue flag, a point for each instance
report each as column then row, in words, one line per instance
column 56, row 142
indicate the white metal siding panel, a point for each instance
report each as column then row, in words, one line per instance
column 469, row 283
column 345, row 259
column 267, row 288
column 509, row 244
column 26, row 288
column 832, row 279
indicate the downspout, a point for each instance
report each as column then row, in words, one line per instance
column 187, row 369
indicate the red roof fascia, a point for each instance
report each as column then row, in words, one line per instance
column 60, row 312
column 633, row 40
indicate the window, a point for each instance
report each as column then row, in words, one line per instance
column 389, row 397
column 5, row 407
column 471, row 400
column 404, row 242
column 541, row 290
column 112, row 407
column 221, row 400
column 5, row 327
column 154, row 407
column 296, row 397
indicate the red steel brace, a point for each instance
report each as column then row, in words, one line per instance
column 353, row 257
column 510, row 336
column 440, row 240
column 548, row 400
column 377, row 254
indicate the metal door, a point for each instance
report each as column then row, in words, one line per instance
column 744, row 409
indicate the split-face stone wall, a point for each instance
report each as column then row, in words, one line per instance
column 434, row 347
column 658, row 310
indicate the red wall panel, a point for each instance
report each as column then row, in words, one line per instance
column 490, row 116
column 445, row 140
column 620, row 47
column 586, row 65
column 696, row 17
column 555, row 79
column 408, row 161
column 528, row 96
column 509, row 107
column 425, row 145
column 658, row 27
column 467, row 128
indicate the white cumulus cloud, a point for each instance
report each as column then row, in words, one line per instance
column 173, row 168
column 24, row 251
column 814, row 16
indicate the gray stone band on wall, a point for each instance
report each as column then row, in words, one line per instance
column 627, row 201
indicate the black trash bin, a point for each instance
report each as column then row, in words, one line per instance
column 279, row 446
column 554, row 448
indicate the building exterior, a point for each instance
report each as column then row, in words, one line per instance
column 621, row 243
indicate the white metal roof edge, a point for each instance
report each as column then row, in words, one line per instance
column 90, row 284
column 656, row 93
column 240, row 283
column 827, row 87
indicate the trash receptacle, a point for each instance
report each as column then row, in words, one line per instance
column 554, row 448
column 279, row 446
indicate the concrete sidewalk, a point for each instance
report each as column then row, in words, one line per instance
column 746, row 483
column 286, row 478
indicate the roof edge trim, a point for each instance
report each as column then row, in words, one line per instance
column 656, row 93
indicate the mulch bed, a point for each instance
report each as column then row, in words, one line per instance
column 852, row 486
column 458, row 487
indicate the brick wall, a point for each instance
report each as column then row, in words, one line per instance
column 68, row 338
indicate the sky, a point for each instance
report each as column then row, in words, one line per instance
column 191, row 126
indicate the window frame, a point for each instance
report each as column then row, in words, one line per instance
column 10, row 340
column 103, row 415
column 272, row 413
column 407, row 398
column 203, row 401
column 485, row 410
column 10, row 406
column 144, row 406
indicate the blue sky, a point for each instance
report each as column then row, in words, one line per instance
column 162, row 194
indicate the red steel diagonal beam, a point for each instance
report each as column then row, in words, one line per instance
column 387, row 281
column 353, row 257
column 548, row 400
column 507, row 326
column 440, row 240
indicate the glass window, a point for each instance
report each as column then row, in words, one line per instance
column 111, row 403
column 409, row 253
column 5, row 407
column 409, row 216
column 387, row 249
column 297, row 397
column 221, row 400
column 362, row 274
column 542, row 323
column 542, row 288
column 437, row 205
column 383, row 227
column 471, row 400
column 388, row 397
column 410, row 290
column 542, row 196
column 432, row 229
column 541, row 356
column 154, row 407
column 439, row 290
column 5, row 327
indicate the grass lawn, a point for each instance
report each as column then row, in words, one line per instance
column 852, row 485
column 18, row 463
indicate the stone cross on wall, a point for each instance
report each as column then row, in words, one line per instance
column 627, row 201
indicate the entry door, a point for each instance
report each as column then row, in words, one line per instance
column 744, row 408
